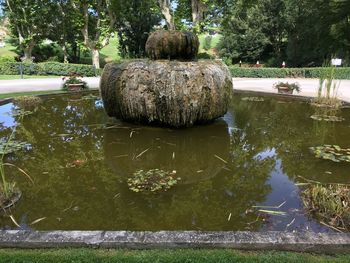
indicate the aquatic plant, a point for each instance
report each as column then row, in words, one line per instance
column 20, row 112
column 327, row 88
column 332, row 152
column 10, row 146
column 91, row 97
column 154, row 180
column 330, row 204
column 27, row 102
column 9, row 193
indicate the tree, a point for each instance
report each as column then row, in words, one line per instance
column 96, row 22
column 26, row 22
column 244, row 37
column 135, row 20
column 65, row 31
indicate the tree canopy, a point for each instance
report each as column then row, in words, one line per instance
column 300, row 32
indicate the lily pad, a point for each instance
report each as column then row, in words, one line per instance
column 253, row 99
column 327, row 118
column 154, row 180
column 331, row 152
column 90, row 97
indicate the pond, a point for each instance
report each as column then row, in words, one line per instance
column 233, row 171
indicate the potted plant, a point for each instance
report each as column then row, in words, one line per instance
column 73, row 82
column 287, row 88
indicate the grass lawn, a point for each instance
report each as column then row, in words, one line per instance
column 214, row 42
column 10, row 77
column 153, row 256
column 110, row 52
column 8, row 50
column 33, row 93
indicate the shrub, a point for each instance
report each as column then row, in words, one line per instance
column 7, row 59
column 340, row 73
column 47, row 68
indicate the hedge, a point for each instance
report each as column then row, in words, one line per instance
column 47, row 68
column 341, row 73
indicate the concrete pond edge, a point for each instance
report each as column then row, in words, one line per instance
column 326, row 243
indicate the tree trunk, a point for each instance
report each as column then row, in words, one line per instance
column 197, row 12
column 65, row 54
column 166, row 11
column 96, row 58
column 28, row 52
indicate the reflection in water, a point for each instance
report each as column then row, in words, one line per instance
column 81, row 160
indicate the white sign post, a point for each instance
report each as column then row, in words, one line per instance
column 336, row 62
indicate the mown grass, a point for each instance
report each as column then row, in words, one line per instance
column 214, row 42
column 108, row 54
column 8, row 50
column 154, row 256
column 111, row 52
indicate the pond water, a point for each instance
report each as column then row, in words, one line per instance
column 80, row 160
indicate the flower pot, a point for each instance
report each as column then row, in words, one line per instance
column 75, row 87
column 284, row 90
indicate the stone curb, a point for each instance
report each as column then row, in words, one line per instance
column 330, row 243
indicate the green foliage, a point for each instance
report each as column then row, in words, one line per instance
column 136, row 20
column 329, row 203
column 207, row 42
column 73, row 78
column 30, row 20
column 47, row 68
column 47, row 52
column 7, row 59
column 302, row 33
column 27, row 102
column 10, row 146
column 243, row 33
column 340, row 73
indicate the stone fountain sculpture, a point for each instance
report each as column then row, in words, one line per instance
column 170, row 89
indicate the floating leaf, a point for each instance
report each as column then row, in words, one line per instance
column 327, row 118
column 154, row 180
column 257, row 99
column 331, row 152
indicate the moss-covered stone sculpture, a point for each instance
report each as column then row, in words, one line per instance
column 172, row 45
column 167, row 92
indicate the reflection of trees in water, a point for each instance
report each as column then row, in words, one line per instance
column 59, row 134
column 209, row 190
column 285, row 125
